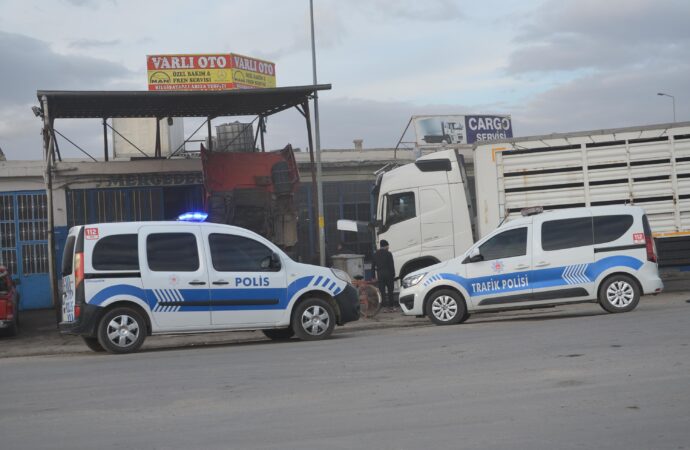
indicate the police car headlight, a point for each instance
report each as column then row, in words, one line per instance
column 342, row 275
column 412, row 280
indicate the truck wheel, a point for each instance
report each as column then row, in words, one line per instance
column 122, row 330
column 93, row 344
column 619, row 294
column 446, row 307
column 279, row 334
column 314, row 319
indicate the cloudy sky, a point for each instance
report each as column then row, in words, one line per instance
column 554, row 65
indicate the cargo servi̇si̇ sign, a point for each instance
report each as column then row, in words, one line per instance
column 452, row 129
column 204, row 72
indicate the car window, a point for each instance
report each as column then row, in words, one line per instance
column 507, row 244
column 231, row 253
column 172, row 252
column 116, row 252
column 4, row 285
column 566, row 233
column 400, row 207
column 611, row 228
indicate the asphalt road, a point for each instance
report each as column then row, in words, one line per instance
column 568, row 378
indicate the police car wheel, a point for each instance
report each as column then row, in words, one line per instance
column 619, row 294
column 122, row 330
column 280, row 334
column 314, row 319
column 93, row 344
column 446, row 307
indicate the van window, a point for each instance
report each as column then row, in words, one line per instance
column 508, row 244
column 68, row 256
column 116, row 252
column 566, row 233
column 172, row 252
column 400, row 207
column 611, row 228
column 230, row 253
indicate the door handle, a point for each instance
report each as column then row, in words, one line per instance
column 542, row 264
column 197, row 283
column 221, row 282
column 522, row 267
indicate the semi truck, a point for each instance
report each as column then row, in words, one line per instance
column 427, row 212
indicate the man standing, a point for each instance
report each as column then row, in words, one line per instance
column 384, row 271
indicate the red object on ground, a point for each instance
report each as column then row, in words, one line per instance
column 9, row 303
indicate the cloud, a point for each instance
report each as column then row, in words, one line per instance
column 35, row 66
column 428, row 11
column 93, row 43
column 614, row 99
column 589, row 34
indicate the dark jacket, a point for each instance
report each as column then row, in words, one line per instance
column 383, row 266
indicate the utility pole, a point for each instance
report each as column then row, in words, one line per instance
column 317, row 148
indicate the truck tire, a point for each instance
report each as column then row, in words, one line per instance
column 93, row 344
column 122, row 330
column 618, row 294
column 314, row 319
column 446, row 307
column 279, row 334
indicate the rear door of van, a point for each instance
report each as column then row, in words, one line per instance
column 68, row 287
column 175, row 277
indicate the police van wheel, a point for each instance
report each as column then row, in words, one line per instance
column 279, row 334
column 619, row 294
column 446, row 307
column 122, row 330
column 314, row 319
column 93, row 344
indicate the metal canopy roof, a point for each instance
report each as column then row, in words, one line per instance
column 109, row 104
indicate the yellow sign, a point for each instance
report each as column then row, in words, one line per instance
column 208, row 72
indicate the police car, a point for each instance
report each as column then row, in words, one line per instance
column 597, row 254
column 125, row 281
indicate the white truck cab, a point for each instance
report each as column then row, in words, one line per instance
column 124, row 281
column 424, row 211
column 603, row 254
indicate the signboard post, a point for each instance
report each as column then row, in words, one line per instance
column 208, row 72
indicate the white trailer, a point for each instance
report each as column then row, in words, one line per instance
column 645, row 166
column 425, row 211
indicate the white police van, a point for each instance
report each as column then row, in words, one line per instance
column 603, row 254
column 124, row 281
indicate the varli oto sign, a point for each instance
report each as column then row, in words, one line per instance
column 208, row 72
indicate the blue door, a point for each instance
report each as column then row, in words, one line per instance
column 24, row 245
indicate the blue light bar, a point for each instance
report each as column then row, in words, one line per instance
column 195, row 216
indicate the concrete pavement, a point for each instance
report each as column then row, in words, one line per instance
column 556, row 379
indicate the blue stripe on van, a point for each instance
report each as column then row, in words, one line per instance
column 186, row 298
column 538, row 279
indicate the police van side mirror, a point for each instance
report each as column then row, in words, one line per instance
column 275, row 261
column 474, row 256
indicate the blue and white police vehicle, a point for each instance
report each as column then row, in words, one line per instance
column 125, row 281
column 602, row 254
